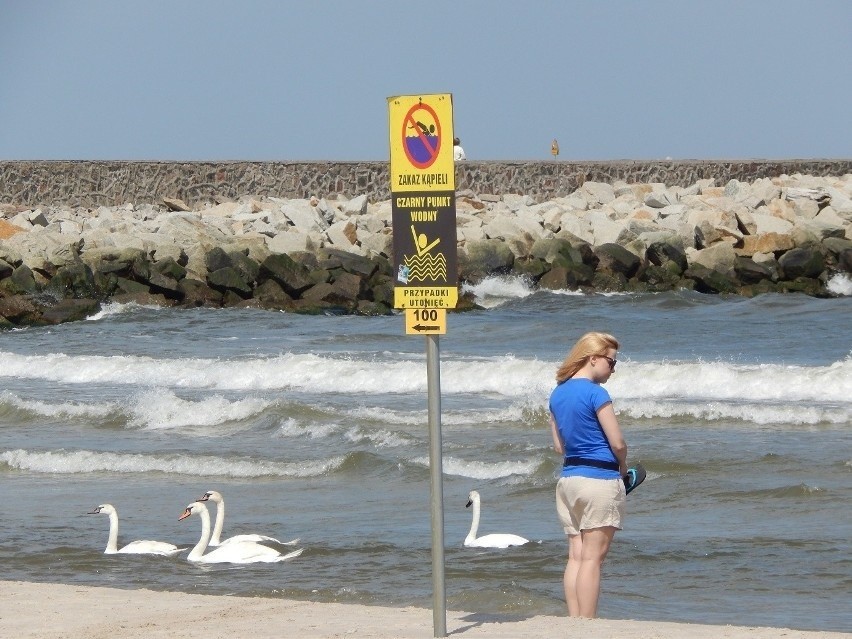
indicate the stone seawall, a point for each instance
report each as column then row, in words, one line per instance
column 335, row 255
column 108, row 183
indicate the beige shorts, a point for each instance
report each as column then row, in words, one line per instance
column 583, row 503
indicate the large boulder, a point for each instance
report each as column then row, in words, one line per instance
column 70, row 310
column 719, row 258
column 750, row 272
column 293, row 278
column 197, row 293
column 801, row 262
column 484, row 258
column 708, row 280
column 666, row 251
column 567, row 276
column 362, row 266
column 271, row 295
column 844, row 260
column 20, row 310
column 229, row 279
column 74, row 280
column 613, row 258
column 20, row 281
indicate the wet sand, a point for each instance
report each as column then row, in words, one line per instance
column 76, row 612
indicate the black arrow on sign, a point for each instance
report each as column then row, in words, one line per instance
column 421, row 327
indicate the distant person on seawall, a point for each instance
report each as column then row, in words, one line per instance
column 590, row 493
column 458, row 151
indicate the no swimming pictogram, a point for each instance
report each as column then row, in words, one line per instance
column 421, row 135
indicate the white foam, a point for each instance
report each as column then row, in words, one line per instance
column 115, row 308
column 566, row 291
column 84, row 462
column 755, row 413
column 515, row 412
column 484, row 470
column 301, row 372
column 708, row 381
column 161, row 408
column 379, row 438
column 526, row 382
column 498, row 289
column 292, row 427
column 840, row 284
column 59, row 409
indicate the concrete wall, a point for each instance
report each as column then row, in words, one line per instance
column 96, row 183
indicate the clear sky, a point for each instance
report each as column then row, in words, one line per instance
column 309, row 79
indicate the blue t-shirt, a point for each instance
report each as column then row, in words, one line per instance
column 574, row 404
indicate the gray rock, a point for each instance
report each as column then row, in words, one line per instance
column 719, row 258
column 197, row 293
column 176, row 204
column 801, row 262
column 707, row 280
column 484, row 258
column 356, row 206
column 303, row 216
column 844, row 260
column 597, row 193
column 293, row 278
column 750, row 272
column 516, row 202
column 567, row 277
column 660, row 199
column 229, row 279
column 669, row 250
column 615, row 259
column 293, row 241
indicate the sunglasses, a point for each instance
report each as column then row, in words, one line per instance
column 612, row 362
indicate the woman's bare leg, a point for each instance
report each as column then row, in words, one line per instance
column 594, row 547
column 575, row 552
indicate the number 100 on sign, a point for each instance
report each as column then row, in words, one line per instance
column 425, row 321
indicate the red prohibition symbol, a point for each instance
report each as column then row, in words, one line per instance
column 421, row 140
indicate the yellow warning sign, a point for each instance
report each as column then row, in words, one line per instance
column 425, row 296
column 423, row 205
column 421, row 142
column 425, row 321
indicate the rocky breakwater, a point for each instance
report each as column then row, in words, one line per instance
column 785, row 234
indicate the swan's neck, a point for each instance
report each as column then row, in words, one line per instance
column 112, row 542
column 220, row 520
column 474, row 524
column 201, row 546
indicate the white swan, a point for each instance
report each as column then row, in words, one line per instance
column 494, row 540
column 239, row 552
column 216, row 497
column 141, row 547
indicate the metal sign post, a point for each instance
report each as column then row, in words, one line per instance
column 436, row 466
column 423, row 208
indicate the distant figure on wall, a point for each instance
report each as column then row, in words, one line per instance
column 458, row 151
column 554, row 147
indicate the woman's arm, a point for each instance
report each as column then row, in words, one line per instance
column 558, row 444
column 609, row 423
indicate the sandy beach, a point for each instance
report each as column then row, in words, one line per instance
column 71, row 612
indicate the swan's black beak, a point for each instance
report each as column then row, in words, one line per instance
column 96, row 511
column 469, row 502
column 203, row 497
column 186, row 513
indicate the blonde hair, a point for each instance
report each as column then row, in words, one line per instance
column 588, row 345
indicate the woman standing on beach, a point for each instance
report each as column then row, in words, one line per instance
column 590, row 494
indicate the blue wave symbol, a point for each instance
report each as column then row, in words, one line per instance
column 418, row 149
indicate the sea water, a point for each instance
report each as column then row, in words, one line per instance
column 316, row 427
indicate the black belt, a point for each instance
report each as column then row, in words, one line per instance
column 594, row 463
